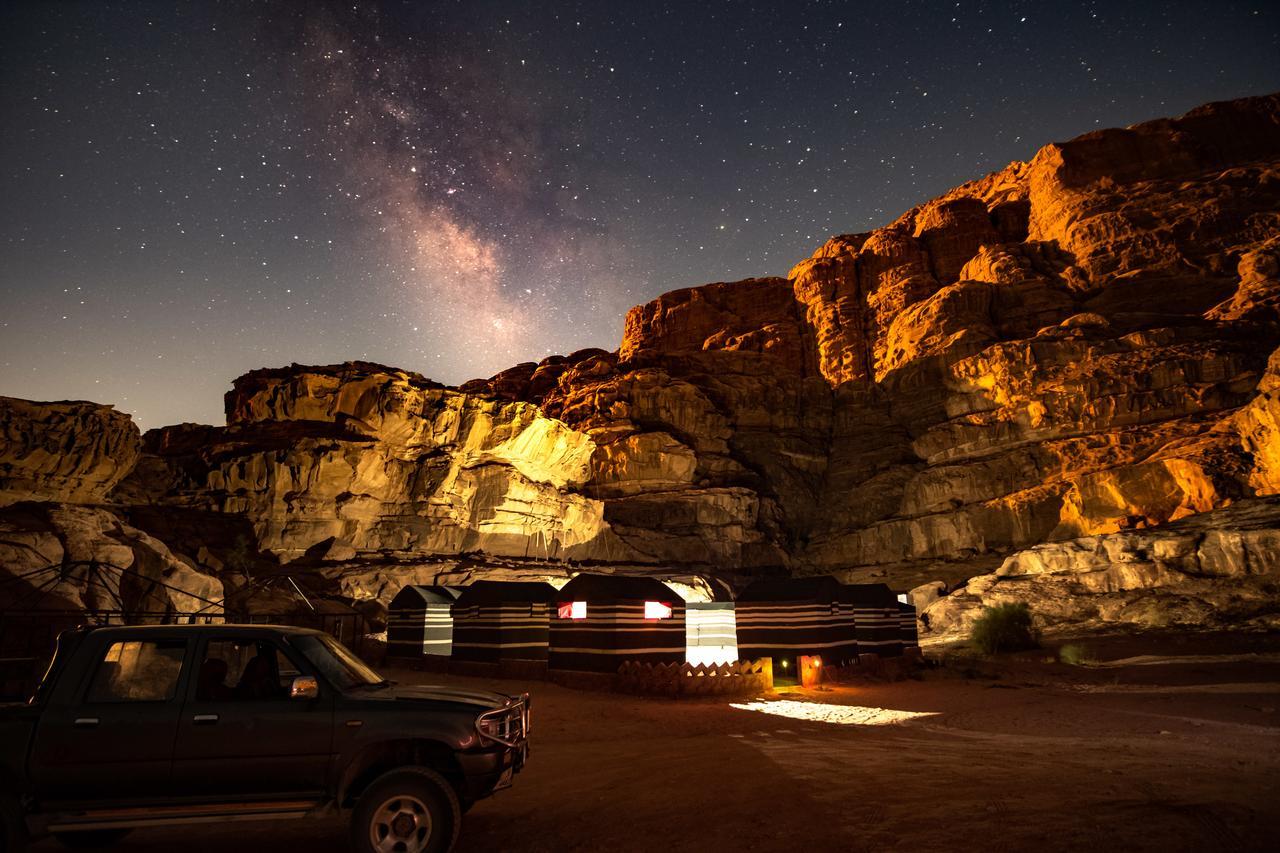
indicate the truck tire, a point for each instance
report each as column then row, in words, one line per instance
column 91, row 839
column 409, row 810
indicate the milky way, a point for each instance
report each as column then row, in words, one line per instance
column 449, row 169
column 191, row 191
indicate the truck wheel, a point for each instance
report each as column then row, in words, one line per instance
column 411, row 810
column 91, row 839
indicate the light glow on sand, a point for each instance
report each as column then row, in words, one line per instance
column 841, row 715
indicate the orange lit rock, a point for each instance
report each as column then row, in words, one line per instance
column 1259, row 428
column 64, row 451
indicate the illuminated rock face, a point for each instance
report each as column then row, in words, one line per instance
column 1216, row 570
column 65, row 451
column 388, row 461
column 1259, row 428
column 1069, row 350
column 1091, row 366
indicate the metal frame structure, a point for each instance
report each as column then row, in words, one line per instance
column 29, row 631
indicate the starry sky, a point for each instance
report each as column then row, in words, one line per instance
column 191, row 190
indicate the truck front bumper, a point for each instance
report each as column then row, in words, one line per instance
column 492, row 770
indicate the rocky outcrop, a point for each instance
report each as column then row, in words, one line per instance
column 60, row 557
column 1079, row 372
column 1259, row 428
column 384, row 460
column 1069, row 350
column 65, row 451
column 1218, row 570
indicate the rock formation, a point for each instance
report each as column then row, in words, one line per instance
column 1071, row 353
column 64, row 557
column 68, row 451
column 1218, row 570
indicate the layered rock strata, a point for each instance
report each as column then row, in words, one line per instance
column 1219, row 570
column 65, row 451
column 1069, row 349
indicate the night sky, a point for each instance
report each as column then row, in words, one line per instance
column 194, row 190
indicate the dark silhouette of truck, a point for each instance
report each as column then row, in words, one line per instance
column 174, row 724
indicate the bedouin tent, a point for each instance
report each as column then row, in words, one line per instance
column 419, row 621
column 876, row 616
column 495, row 621
column 603, row 620
column 787, row 618
column 908, row 631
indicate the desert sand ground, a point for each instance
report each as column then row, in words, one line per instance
column 1175, row 752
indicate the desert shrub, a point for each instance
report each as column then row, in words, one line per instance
column 1004, row 628
column 1074, row 654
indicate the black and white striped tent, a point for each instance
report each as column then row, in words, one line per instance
column 603, row 620
column 419, row 621
column 495, row 621
column 877, row 618
column 786, row 618
column 908, row 630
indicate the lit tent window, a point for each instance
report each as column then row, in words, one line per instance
column 573, row 610
column 657, row 610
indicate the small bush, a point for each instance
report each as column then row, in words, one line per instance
column 1004, row 628
column 1074, row 654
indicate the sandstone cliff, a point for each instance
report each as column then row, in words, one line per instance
column 1069, row 349
column 68, row 451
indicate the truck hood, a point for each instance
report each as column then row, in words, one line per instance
column 481, row 699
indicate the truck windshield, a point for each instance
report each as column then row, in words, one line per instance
column 336, row 662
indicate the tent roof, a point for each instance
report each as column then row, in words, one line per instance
column 488, row 592
column 414, row 596
column 876, row 594
column 589, row 587
column 814, row 588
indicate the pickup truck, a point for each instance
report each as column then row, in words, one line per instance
column 179, row 724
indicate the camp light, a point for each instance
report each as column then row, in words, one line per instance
column 657, row 610
column 572, row 610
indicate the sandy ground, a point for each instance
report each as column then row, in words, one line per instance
column 1146, row 753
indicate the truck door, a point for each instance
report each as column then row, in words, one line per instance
column 240, row 734
column 110, row 737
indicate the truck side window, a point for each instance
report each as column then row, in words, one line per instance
column 138, row 671
column 243, row 669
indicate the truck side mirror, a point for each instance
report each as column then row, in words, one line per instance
column 304, row 687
